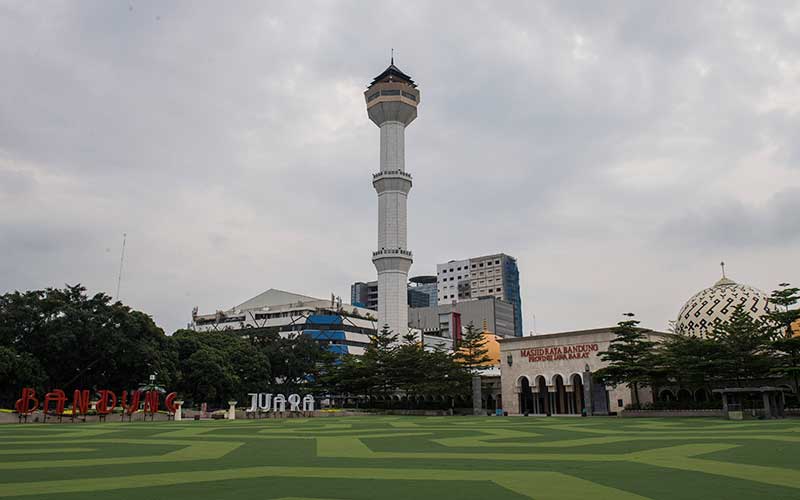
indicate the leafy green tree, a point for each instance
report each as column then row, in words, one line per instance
column 18, row 371
column 630, row 356
column 83, row 341
column 472, row 353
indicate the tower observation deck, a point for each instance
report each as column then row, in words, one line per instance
column 392, row 100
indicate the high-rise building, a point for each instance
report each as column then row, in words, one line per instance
column 495, row 275
column 423, row 285
column 364, row 294
column 421, row 293
column 392, row 100
column 496, row 315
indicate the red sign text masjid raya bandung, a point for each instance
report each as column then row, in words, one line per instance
column 558, row 353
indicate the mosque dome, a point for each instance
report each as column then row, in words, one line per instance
column 715, row 305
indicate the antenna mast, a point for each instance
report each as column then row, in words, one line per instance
column 121, row 261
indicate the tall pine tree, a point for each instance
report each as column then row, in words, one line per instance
column 744, row 344
column 630, row 356
column 786, row 345
column 472, row 353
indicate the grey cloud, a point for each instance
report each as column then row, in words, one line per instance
column 599, row 143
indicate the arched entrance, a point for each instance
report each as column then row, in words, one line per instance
column 684, row 396
column 543, row 396
column 560, row 395
column 577, row 393
column 700, row 396
column 666, row 395
column 525, row 396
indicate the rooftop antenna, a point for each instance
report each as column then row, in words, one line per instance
column 722, row 265
column 121, row 261
column 392, row 60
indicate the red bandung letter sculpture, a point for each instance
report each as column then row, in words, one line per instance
column 130, row 409
column 169, row 402
column 28, row 403
column 151, row 402
column 80, row 402
column 58, row 397
column 106, row 403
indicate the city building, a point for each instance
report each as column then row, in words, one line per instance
column 392, row 100
column 494, row 275
column 341, row 328
column 364, row 294
column 418, row 294
column 551, row 374
column 490, row 313
column 425, row 285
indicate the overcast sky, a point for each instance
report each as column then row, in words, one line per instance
column 619, row 150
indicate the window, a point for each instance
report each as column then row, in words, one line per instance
column 480, row 265
column 409, row 96
column 498, row 289
column 458, row 277
column 373, row 96
column 619, row 403
column 390, row 92
column 497, row 262
column 459, row 268
column 473, row 266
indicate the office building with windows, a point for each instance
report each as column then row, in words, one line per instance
column 423, row 285
column 340, row 328
column 486, row 313
column 421, row 292
column 495, row 275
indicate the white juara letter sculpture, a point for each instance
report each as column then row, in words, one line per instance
column 264, row 401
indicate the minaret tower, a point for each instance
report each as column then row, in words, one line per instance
column 392, row 100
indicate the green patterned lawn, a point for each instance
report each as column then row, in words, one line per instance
column 404, row 458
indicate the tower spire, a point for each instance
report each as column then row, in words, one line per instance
column 391, row 62
column 392, row 100
column 722, row 265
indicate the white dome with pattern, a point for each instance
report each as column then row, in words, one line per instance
column 716, row 304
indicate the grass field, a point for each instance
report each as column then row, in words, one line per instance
column 403, row 458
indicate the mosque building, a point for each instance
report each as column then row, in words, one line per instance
column 552, row 373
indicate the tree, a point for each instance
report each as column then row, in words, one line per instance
column 785, row 346
column 407, row 367
column 630, row 356
column 473, row 353
column 744, row 348
column 18, row 371
column 687, row 361
column 82, row 341
column 780, row 320
column 378, row 358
